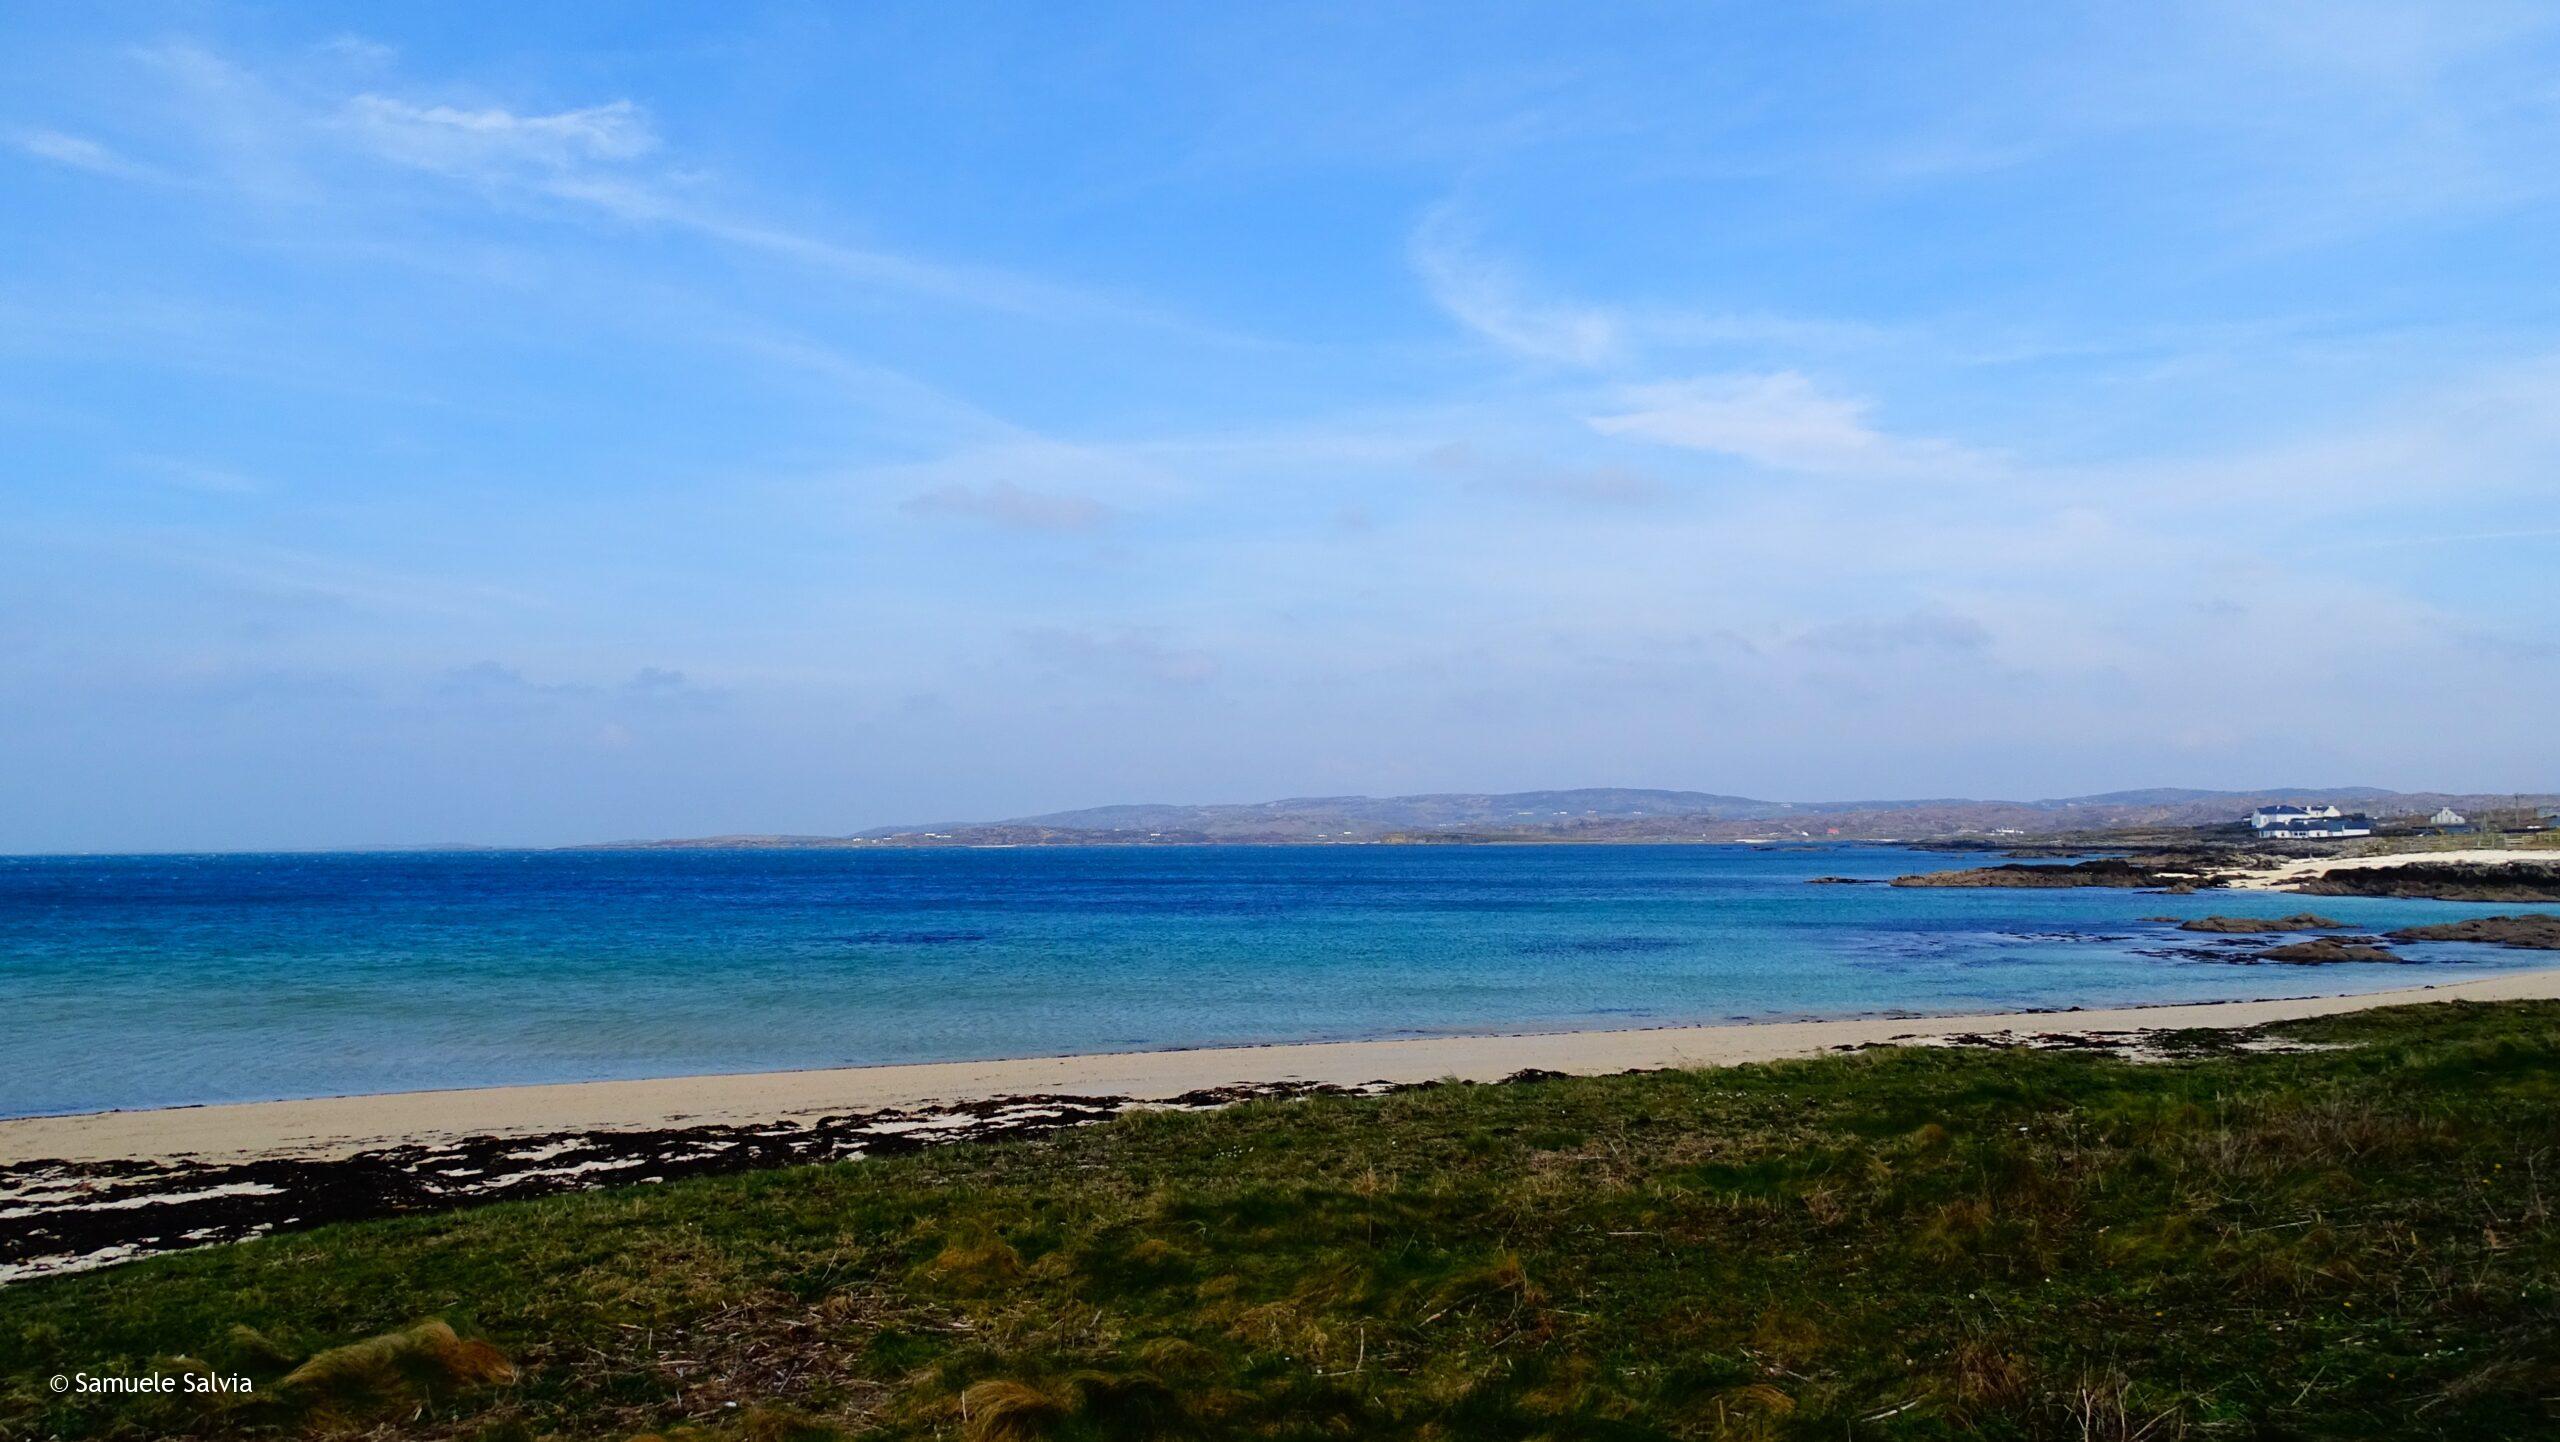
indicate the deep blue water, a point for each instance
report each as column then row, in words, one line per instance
column 148, row 981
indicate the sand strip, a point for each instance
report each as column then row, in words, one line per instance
column 2286, row 875
column 342, row 1126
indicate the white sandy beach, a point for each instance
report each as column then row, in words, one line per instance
column 340, row 1126
column 2284, row 876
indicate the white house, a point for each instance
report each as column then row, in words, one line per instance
column 2446, row 816
column 2266, row 816
column 2313, row 827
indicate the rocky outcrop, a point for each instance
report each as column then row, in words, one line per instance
column 2327, row 950
column 2246, row 925
column 2121, row 872
column 2442, row 881
column 2538, row 930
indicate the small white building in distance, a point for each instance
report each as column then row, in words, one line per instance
column 2446, row 816
column 2308, row 823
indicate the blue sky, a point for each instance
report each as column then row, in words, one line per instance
column 550, row 423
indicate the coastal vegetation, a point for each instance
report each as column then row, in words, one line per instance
column 2334, row 1228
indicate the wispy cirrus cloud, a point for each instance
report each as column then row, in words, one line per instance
column 297, row 133
column 594, row 158
column 473, row 142
column 1489, row 297
column 78, row 152
column 1496, row 299
column 1781, row 420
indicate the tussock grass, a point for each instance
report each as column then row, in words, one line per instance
column 407, row 1369
column 2354, row 1241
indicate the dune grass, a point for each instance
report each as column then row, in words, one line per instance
column 2347, row 1242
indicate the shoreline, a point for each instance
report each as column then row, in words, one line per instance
column 342, row 1126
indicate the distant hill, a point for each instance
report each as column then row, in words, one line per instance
column 2174, row 796
column 1618, row 814
column 1453, row 809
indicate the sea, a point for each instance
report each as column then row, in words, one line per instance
column 173, row 980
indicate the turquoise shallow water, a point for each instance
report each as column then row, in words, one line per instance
column 153, row 981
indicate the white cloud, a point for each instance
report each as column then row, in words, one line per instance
column 1781, row 420
column 357, row 52
column 586, row 157
column 452, row 140
column 1487, row 297
column 78, row 152
column 289, row 134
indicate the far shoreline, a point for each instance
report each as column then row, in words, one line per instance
column 345, row 1125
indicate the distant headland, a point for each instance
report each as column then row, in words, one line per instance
column 1620, row 814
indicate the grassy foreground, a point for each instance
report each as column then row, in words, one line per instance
column 2349, row 1242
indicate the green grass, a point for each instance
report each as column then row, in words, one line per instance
column 2485, row 839
column 2347, row 1242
